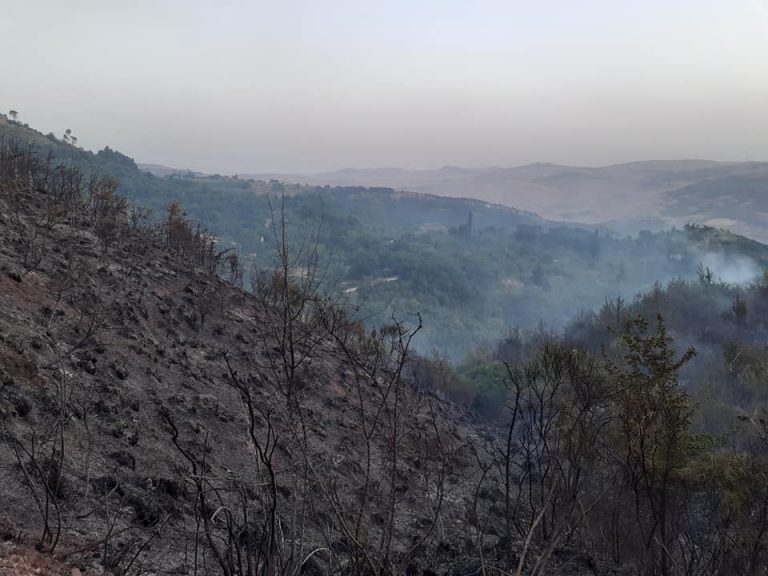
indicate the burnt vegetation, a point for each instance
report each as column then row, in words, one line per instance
column 157, row 418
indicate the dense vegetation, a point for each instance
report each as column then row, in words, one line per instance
column 724, row 322
column 654, row 411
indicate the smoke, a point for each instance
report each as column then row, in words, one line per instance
column 732, row 269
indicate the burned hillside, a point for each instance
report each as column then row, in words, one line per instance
column 157, row 418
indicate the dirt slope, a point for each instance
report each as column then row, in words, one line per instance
column 157, row 419
column 104, row 352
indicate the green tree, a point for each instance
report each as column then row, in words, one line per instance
column 652, row 433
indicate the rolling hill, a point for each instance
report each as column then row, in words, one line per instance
column 624, row 197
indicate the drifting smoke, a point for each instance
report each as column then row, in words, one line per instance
column 732, row 269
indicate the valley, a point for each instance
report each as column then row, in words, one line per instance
column 364, row 381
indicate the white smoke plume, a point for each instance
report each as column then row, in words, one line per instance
column 732, row 269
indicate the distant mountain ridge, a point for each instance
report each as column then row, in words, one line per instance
column 627, row 197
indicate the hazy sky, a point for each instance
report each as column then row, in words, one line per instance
column 289, row 85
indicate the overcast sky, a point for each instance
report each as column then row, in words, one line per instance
column 288, row 85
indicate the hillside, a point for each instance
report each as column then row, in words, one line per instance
column 736, row 201
column 140, row 393
column 624, row 197
column 234, row 204
column 156, row 418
